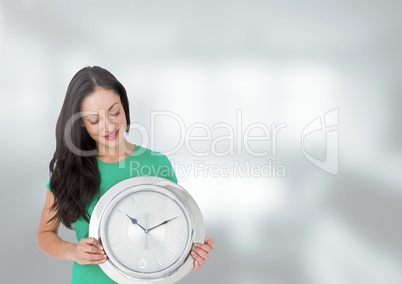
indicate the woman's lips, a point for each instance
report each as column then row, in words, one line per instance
column 112, row 136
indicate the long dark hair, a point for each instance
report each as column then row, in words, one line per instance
column 74, row 172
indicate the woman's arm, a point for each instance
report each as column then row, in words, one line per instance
column 87, row 251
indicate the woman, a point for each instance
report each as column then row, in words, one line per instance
column 91, row 156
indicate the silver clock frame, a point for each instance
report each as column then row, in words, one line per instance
column 193, row 213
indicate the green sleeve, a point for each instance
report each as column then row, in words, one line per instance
column 48, row 185
column 169, row 174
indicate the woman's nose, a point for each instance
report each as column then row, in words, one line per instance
column 110, row 126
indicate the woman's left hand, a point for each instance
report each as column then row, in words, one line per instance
column 200, row 252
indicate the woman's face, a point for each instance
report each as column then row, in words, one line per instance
column 104, row 118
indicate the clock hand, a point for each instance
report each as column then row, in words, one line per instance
column 135, row 222
column 163, row 223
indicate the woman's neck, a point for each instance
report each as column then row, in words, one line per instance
column 115, row 154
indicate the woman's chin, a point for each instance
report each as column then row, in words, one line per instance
column 112, row 146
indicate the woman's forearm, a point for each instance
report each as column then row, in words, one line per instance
column 51, row 244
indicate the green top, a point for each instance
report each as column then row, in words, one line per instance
column 142, row 162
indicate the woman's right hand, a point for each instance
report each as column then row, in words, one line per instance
column 89, row 251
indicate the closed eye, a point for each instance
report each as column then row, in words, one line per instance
column 114, row 114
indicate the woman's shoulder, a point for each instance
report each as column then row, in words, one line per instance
column 155, row 161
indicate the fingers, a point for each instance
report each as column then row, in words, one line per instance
column 196, row 266
column 200, row 252
column 209, row 242
column 205, row 247
column 89, row 251
column 93, row 245
column 198, row 258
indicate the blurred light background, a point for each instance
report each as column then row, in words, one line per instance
column 273, row 62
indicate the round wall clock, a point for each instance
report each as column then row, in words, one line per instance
column 147, row 226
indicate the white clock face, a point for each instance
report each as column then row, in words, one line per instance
column 146, row 232
column 147, row 226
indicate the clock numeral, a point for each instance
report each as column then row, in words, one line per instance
column 113, row 227
column 129, row 254
column 172, row 251
column 142, row 264
column 166, row 205
column 115, row 244
column 150, row 201
column 180, row 236
column 159, row 261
